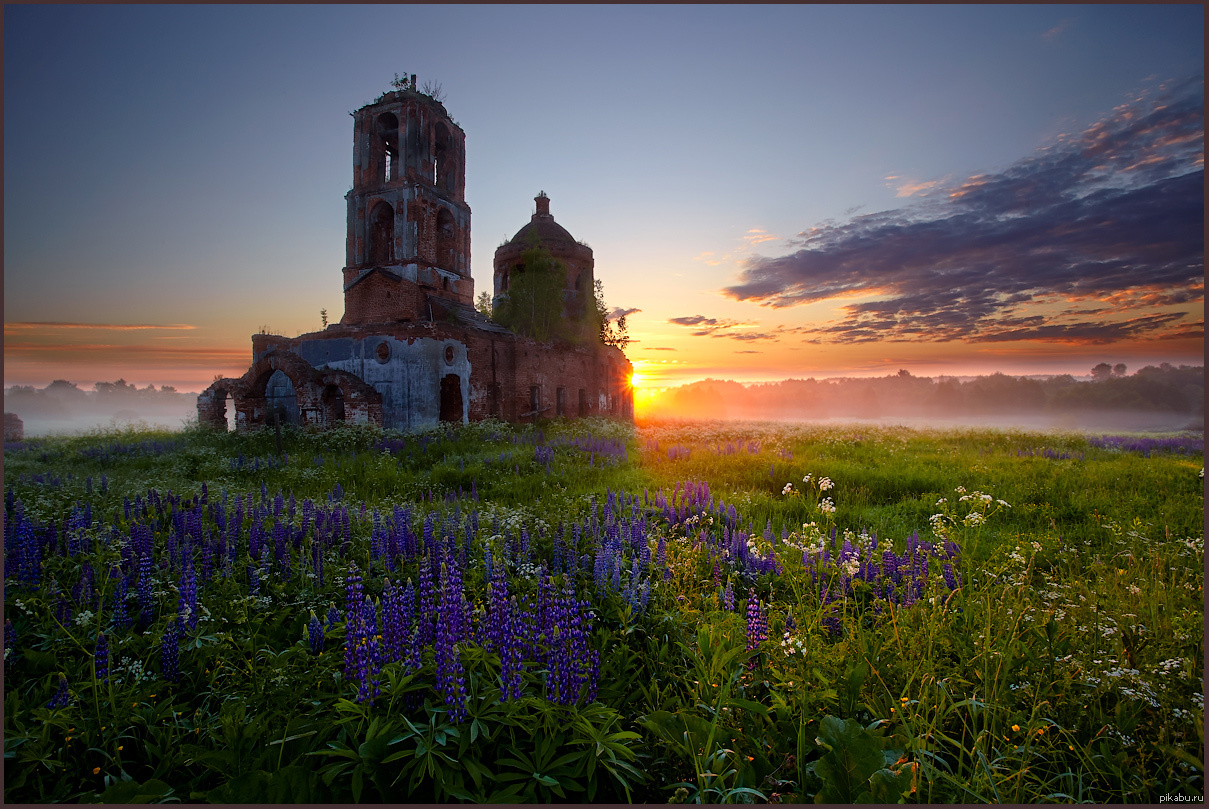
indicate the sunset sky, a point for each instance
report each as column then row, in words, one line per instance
column 770, row 191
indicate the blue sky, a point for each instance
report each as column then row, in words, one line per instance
column 182, row 169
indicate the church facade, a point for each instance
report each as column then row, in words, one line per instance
column 411, row 350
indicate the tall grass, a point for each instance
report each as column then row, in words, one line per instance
column 983, row 616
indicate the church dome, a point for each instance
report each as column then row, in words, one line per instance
column 543, row 226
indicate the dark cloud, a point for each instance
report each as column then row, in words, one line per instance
column 693, row 320
column 714, row 327
column 619, row 312
column 1114, row 215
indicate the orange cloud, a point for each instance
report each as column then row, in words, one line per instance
column 51, row 325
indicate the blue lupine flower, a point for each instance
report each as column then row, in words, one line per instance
column 952, row 578
column 62, row 697
column 315, row 634
column 101, row 658
column 170, row 651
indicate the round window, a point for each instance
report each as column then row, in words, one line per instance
column 449, row 355
column 383, row 351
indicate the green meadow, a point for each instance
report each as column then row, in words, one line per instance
column 576, row 611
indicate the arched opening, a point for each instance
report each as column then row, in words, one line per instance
column 451, row 398
column 382, row 234
column 446, row 241
column 280, row 397
column 228, row 408
column 333, row 405
column 388, row 137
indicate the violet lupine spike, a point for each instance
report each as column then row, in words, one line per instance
column 450, row 675
column 101, row 658
column 315, row 634
column 146, row 600
column 170, row 651
column 353, row 623
column 62, row 696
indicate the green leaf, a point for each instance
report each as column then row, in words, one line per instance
column 887, row 786
column 134, row 792
column 852, row 755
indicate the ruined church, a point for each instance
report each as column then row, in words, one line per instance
column 411, row 350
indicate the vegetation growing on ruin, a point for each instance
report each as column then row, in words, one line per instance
column 583, row 610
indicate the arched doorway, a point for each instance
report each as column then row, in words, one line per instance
column 228, row 410
column 279, row 393
column 451, row 398
column 333, row 405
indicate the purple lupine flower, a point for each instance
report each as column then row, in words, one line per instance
column 728, row 597
column 121, row 618
column 717, row 574
column 450, row 674
column 170, row 651
column 757, row 625
column 187, row 605
column 101, row 658
column 333, row 615
column 146, row 601
column 62, row 697
column 393, row 628
column 427, row 602
column 352, row 617
column 315, row 634
column 952, row 578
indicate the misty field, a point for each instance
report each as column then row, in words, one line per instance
column 589, row 611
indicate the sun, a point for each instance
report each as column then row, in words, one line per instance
column 635, row 379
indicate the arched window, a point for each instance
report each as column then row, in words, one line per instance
column 388, row 137
column 382, row 234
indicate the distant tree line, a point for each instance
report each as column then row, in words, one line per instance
column 63, row 400
column 1164, row 388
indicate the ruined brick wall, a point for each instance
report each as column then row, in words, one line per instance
column 505, row 371
column 379, row 299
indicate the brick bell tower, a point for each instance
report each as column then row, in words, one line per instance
column 408, row 221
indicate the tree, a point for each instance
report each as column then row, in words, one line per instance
column 610, row 332
column 1101, row 372
column 1119, row 369
column 483, row 304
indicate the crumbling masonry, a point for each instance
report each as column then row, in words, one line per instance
column 411, row 350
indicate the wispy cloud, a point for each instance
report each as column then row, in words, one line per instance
column 1113, row 215
column 52, row 325
column 911, row 188
column 619, row 312
column 759, row 235
column 1056, row 31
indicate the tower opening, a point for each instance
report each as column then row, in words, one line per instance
column 382, row 236
column 387, row 126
